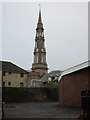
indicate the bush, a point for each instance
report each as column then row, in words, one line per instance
column 51, row 85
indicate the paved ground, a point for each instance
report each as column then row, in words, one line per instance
column 40, row 110
column 0, row 109
column 0, row 113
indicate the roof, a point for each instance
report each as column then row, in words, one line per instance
column 10, row 67
column 74, row 69
column 51, row 74
column 39, row 19
column 0, row 66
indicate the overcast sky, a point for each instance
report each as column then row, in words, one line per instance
column 66, row 33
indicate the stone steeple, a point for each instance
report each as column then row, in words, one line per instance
column 40, row 64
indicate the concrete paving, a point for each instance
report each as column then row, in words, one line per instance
column 40, row 110
column 0, row 113
column 0, row 109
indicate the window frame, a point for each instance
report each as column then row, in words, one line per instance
column 21, row 84
column 9, row 84
column 21, row 75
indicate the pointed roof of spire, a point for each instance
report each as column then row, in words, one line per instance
column 39, row 19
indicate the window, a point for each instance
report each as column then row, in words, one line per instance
column 37, row 59
column 3, row 84
column 3, row 73
column 42, row 34
column 21, row 84
column 42, row 59
column 9, row 83
column 21, row 75
column 37, row 34
column 9, row 73
column 36, row 44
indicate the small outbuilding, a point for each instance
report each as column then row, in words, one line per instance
column 52, row 76
column 71, row 82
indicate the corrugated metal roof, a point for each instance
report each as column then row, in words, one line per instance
column 74, row 69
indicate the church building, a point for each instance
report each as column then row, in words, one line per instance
column 39, row 66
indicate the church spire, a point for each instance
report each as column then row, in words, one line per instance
column 40, row 64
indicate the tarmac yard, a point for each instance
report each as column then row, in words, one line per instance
column 40, row 110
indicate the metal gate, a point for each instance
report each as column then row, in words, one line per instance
column 85, row 104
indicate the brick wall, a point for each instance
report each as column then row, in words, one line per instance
column 70, row 87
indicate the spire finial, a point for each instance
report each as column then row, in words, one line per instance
column 39, row 6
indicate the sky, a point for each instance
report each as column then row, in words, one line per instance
column 66, row 33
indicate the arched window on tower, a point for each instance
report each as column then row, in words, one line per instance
column 42, row 34
column 35, row 44
column 37, row 34
column 42, row 59
column 37, row 59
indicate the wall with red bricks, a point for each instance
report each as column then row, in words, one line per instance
column 70, row 87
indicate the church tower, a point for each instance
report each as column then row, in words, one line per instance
column 40, row 64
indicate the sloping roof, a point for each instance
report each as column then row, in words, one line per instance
column 51, row 74
column 10, row 67
column 0, row 66
column 74, row 69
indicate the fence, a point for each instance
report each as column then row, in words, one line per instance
column 85, row 104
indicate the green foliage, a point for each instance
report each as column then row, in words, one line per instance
column 51, row 85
